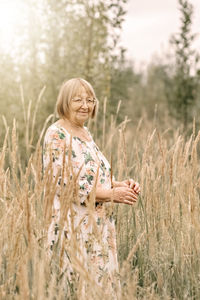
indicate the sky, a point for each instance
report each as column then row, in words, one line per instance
column 146, row 30
column 148, row 26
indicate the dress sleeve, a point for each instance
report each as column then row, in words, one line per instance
column 53, row 152
column 87, row 177
column 56, row 143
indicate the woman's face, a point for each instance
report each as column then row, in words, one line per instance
column 81, row 107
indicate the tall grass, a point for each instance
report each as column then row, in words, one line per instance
column 158, row 239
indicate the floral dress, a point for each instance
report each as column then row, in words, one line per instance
column 91, row 168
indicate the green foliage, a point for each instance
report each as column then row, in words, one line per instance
column 61, row 40
column 183, row 86
column 123, row 78
column 158, row 240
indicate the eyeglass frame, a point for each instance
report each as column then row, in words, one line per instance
column 93, row 102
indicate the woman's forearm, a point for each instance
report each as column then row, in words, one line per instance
column 119, row 183
column 122, row 194
column 103, row 195
column 116, row 183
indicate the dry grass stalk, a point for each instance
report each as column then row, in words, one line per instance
column 162, row 264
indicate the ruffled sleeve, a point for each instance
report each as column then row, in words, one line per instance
column 82, row 163
column 53, row 154
column 88, row 173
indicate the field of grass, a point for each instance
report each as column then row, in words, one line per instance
column 158, row 239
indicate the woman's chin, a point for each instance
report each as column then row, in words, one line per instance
column 83, row 115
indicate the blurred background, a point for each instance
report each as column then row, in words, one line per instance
column 144, row 54
column 143, row 59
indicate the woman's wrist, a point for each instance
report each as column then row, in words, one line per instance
column 116, row 183
column 104, row 195
column 120, row 183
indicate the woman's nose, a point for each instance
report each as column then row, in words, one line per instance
column 84, row 104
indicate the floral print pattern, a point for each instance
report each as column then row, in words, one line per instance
column 100, row 256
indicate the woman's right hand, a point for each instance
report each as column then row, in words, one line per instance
column 124, row 195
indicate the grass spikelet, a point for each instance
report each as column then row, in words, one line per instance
column 158, row 238
column 14, row 146
column 35, row 114
column 3, row 152
column 104, row 122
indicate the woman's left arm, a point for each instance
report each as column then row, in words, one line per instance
column 128, row 183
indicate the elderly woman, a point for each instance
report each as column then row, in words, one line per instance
column 69, row 146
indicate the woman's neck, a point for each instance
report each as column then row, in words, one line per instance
column 72, row 124
column 75, row 129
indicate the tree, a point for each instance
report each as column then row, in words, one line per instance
column 81, row 40
column 182, row 94
column 60, row 40
column 123, row 86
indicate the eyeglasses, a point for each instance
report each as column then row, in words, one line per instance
column 80, row 101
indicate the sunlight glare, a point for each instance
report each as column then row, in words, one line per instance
column 12, row 17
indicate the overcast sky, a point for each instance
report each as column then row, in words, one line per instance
column 149, row 25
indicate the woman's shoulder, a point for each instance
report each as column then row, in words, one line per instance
column 89, row 133
column 55, row 132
